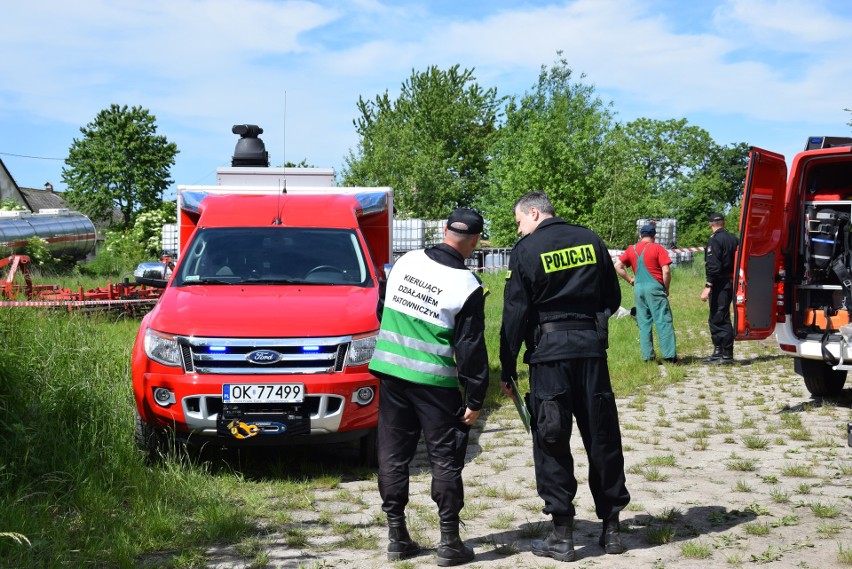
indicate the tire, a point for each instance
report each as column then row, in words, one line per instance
column 820, row 379
column 369, row 449
column 151, row 441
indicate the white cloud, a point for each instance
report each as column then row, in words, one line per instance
column 201, row 66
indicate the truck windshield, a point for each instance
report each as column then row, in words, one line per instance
column 274, row 255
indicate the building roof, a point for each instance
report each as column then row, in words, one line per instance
column 42, row 199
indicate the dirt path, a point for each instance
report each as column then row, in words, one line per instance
column 735, row 466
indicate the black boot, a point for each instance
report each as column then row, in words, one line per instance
column 716, row 355
column 559, row 544
column 610, row 538
column 452, row 550
column 401, row 545
column 726, row 357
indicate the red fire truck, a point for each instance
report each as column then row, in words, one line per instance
column 267, row 323
column 794, row 263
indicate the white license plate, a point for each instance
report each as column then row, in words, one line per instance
column 263, row 392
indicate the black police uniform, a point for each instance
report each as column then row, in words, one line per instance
column 407, row 408
column 719, row 271
column 561, row 279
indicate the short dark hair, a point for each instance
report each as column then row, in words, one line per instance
column 536, row 199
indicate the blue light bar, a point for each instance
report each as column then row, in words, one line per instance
column 311, row 349
column 220, row 349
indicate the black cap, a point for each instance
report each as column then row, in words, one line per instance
column 716, row 217
column 466, row 221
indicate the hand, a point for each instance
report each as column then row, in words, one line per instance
column 705, row 294
column 507, row 390
column 470, row 416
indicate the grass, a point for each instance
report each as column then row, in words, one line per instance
column 80, row 495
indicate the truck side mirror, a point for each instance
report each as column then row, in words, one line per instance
column 153, row 274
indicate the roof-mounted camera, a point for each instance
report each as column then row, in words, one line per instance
column 250, row 150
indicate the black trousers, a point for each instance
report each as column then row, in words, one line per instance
column 578, row 387
column 405, row 410
column 721, row 329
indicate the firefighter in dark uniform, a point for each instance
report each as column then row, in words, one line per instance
column 432, row 364
column 560, row 290
column 719, row 289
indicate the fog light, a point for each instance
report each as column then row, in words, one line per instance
column 164, row 397
column 364, row 395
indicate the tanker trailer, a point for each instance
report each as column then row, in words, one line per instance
column 67, row 233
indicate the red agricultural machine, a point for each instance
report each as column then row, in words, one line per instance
column 123, row 297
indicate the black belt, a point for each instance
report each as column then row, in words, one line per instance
column 546, row 327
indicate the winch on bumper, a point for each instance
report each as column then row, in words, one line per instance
column 304, row 390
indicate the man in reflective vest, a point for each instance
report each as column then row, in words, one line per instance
column 432, row 365
column 652, row 276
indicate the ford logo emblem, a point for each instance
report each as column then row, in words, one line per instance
column 263, row 357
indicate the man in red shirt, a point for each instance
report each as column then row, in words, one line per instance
column 651, row 278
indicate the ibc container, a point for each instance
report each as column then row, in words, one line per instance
column 169, row 239
column 411, row 234
column 408, row 234
column 666, row 230
column 496, row 260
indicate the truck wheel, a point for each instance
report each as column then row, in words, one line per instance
column 369, row 449
column 820, row 379
column 151, row 441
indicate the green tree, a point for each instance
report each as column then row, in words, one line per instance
column 553, row 140
column 625, row 197
column 11, row 205
column 125, row 248
column 667, row 169
column 120, row 163
column 430, row 144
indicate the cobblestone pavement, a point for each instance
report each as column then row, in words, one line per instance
column 734, row 466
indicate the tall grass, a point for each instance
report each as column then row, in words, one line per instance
column 71, row 480
column 74, row 486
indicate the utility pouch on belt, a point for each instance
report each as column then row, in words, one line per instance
column 602, row 325
column 552, row 426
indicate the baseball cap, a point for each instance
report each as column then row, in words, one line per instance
column 466, row 221
column 716, row 217
column 648, row 230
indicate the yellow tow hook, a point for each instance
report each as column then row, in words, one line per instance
column 242, row 430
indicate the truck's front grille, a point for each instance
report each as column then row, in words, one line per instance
column 266, row 356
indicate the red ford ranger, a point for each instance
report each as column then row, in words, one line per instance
column 266, row 326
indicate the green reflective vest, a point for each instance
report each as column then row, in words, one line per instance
column 422, row 300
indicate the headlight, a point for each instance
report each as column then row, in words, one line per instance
column 162, row 348
column 361, row 350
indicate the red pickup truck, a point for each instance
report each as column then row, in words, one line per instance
column 268, row 321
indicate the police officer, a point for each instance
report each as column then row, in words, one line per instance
column 431, row 344
column 719, row 289
column 560, row 289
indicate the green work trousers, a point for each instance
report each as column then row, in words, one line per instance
column 652, row 309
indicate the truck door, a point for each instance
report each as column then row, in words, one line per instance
column 763, row 232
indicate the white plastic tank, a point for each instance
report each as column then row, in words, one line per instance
column 666, row 230
column 67, row 233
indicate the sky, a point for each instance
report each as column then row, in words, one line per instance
column 769, row 73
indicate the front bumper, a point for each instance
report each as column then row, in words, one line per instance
column 334, row 406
